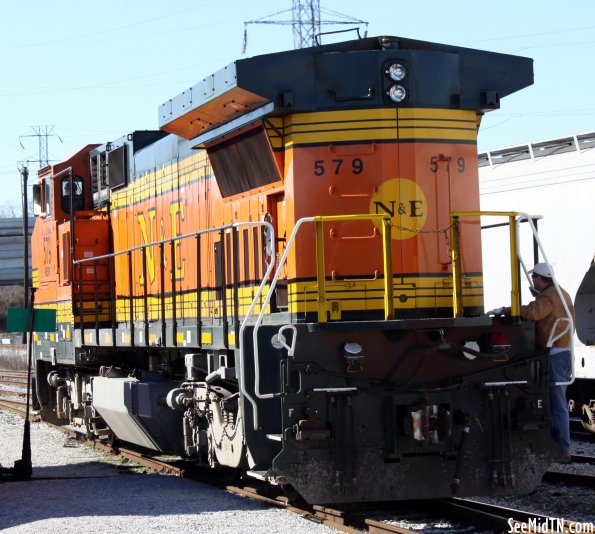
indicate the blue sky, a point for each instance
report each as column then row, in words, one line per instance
column 97, row 70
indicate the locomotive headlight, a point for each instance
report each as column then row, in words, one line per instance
column 396, row 72
column 397, row 93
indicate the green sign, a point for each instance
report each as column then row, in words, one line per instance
column 43, row 320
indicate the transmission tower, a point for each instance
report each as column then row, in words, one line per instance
column 305, row 21
column 43, row 133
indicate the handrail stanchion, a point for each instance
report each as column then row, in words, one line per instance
column 113, row 309
column 81, row 301
column 145, row 302
column 389, row 305
column 96, row 299
column 162, row 276
column 198, row 293
column 174, row 306
column 515, row 293
column 457, row 275
column 222, row 265
column 236, row 284
column 131, row 298
column 320, row 272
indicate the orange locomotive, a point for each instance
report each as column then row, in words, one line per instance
column 286, row 279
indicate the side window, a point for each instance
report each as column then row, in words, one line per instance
column 78, row 199
column 47, row 198
column 37, row 200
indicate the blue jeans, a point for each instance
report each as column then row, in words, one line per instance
column 560, row 372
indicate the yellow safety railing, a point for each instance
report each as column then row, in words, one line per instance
column 457, row 267
column 386, row 253
column 321, row 291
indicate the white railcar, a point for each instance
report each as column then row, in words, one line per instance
column 554, row 179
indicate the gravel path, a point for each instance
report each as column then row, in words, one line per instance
column 78, row 489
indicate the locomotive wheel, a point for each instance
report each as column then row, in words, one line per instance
column 48, row 415
column 226, row 429
column 290, row 493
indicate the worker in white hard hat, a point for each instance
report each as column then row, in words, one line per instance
column 545, row 310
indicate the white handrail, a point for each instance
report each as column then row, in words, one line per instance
column 568, row 318
column 265, row 279
column 258, row 322
column 551, row 338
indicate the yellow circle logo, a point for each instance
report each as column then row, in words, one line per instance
column 405, row 202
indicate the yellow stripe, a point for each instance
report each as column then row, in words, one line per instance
column 390, row 126
column 367, row 295
column 431, row 113
column 381, row 133
column 165, row 179
column 355, row 295
column 186, row 305
column 360, row 125
column 410, row 292
column 64, row 311
column 349, row 115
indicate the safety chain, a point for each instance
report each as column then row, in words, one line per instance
column 445, row 231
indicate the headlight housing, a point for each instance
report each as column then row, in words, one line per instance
column 397, row 93
column 396, row 72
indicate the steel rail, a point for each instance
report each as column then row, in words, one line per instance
column 350, row 520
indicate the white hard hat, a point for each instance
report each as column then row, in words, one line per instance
column 543, row 269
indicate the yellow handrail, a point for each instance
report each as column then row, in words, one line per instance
column 457, row 271
column 386, row 253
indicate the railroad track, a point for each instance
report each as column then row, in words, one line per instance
column 11, row 373
column 18, row 379
column 342, row 519
column 13, row 393
column 496, row 517
column 462, row 511
column 465, row 513
column 19, row 407
column 576, row 479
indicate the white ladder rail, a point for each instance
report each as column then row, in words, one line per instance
column 271, row 252
column 568, row 319
column 258, row 322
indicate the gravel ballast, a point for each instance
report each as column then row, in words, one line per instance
column 78, row 489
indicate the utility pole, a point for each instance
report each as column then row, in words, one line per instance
column 43, row 133
column 24, row 178
column 306, row 23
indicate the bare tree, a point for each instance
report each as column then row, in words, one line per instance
column 10, row 209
